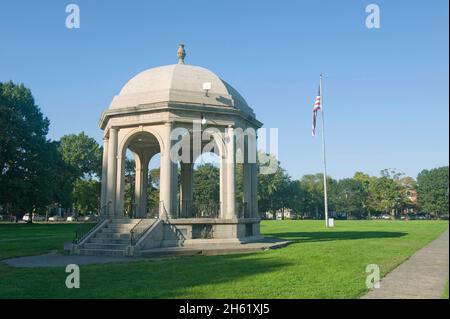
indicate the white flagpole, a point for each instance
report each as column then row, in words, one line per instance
column 324, row 157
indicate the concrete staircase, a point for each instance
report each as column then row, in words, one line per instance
column 113, row 239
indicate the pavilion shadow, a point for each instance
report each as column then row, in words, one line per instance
column 302, row 237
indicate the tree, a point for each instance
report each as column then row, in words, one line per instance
column 290, row 195
column 130, row 182
column 408, row 189
column 385, row 195
column 391, row 173
column 130, row 172
column 153, row 190
column 239, row 183
column 83, row 153
column 63, row 181
column 26, row 156
column 84, row 157
column 272, row 188
column 206, row 186
column 365, row 180
column 153, row 177
column 312, row 184
column 432, row 191
column 84, row 191
column 350, row 197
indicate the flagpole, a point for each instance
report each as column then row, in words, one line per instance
column 325, row 195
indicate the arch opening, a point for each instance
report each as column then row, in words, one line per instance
column 139, row 191
column 199, row 189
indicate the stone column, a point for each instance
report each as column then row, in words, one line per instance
column 254, row 176
column 186, row 189
column 143, row 199
column 104, row 175
column 223, row 184
column 141, row 182
column 120, row 190
column 248, row 191
column 111, row 172
column 230, row 166
column 138, row 180
column 168, row 183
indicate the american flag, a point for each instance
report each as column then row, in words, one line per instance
column 315, row 109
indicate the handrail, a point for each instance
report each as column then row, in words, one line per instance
column 139, row 229
column 209, row 210
column 81, row 234
column 189, row 209
column 165, row 215
column 143, row 238
column 105, row 210
column 178, row 232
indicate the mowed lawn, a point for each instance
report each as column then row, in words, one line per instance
column 320, row 263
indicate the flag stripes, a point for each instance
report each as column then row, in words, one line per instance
column 317, row 105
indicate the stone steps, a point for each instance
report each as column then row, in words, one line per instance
column 96, row 240
column 111, row 240
column 111, row 235
column 109, row 246
column 120, row 226
column 108, row 230
column 103, row 252
column 125, row 222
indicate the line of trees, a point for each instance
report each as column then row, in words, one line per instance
column 38, row 175
column 359, row 197
column 41, row 175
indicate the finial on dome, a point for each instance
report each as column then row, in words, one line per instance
column 181, row 53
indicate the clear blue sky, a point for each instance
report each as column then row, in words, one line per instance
column 385, row 91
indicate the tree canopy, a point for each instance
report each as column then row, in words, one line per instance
column 206, row 186
column 81, row 152
column 29, row 163
column 350, row 197
column 432, row 191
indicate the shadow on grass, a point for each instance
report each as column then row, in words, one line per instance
column 302, row 237
column 199, row 277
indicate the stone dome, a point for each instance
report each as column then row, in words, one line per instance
column 179, row 83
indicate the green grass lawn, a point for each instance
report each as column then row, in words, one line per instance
column 445, row 293
column 319, row 264
column 26, row 239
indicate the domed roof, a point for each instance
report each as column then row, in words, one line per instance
column 179, row 83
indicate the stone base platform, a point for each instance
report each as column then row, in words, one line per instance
column 209, row 248
column 174, row 237
column 54, row 259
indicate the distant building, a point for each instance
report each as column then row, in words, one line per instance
column 268, row 215
column 411, row 207
column 412, row 196
column 280, row 214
